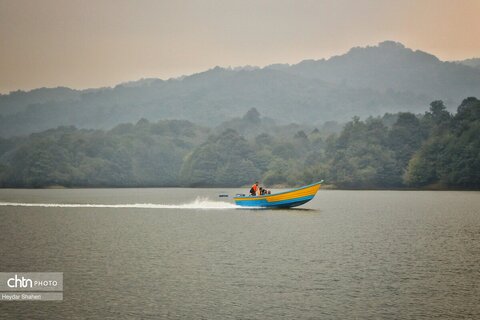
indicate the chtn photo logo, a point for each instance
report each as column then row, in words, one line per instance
column 17, row 282
column 30, row 286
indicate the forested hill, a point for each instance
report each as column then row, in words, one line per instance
column 436, row 149
column 474, row 62
column 364, row 81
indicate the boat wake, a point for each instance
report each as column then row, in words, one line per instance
column 199, row 203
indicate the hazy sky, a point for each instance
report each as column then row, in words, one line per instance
column 92, row 43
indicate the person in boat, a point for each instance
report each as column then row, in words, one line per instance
column 255, row 189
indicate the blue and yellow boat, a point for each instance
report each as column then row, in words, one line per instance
column 286, row 199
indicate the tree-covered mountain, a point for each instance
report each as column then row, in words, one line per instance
column 474, row 62
column 436, row 149
column 364, row 81
column 392, row 67
column 141, row 154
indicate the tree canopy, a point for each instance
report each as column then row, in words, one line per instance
column 436, row 149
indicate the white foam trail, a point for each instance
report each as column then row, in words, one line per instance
column 199, row 203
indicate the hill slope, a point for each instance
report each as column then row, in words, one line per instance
column 364, row 81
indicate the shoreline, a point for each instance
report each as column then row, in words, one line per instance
column 324, row 187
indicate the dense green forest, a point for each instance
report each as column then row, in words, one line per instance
column 436, row 149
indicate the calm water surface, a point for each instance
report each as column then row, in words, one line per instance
column 347, row 254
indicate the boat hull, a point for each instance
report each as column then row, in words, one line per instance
column 288, row 199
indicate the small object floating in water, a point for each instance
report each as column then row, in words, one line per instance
column 223, row 195
column 286, row 199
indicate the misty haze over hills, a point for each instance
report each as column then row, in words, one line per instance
column 474, row 62
column 364, row 81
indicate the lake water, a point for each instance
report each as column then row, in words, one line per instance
column 187, row 254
